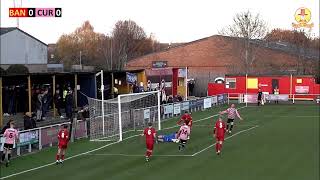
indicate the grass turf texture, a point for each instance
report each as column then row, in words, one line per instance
column 285, row 145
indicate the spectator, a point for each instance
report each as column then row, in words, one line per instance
column 6, row 100
column 69, row 104
column 179, row 98
column 163, row 97
column 116, row 92
column 85, row 112
column 141, row 88
column 170, row 99
column 149, row 86
column 45, row 104
column 12, row 101
column 57, row 99
column 135, row 87
column 276, row 92
column 29, row 122
column 39, row 106
column 191, row 87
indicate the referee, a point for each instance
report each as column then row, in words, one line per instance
column 259, row 97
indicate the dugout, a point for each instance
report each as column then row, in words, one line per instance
column 26, row 86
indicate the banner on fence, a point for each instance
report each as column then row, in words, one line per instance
column 214, row 99
column 176, row 108
column 274, row 97
column 192, row 104
column 49, row 135
column 30, row 137
column 220, row 98
column 251, row 98
column 168, row 109
column 199, row 103
column 146, row 114
column 302, row 89
column 81, row 130
column 207, row 103
column 185, row 106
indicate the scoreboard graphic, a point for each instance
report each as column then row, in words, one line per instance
column 35, row 12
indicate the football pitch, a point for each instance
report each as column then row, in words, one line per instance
column 273, row 142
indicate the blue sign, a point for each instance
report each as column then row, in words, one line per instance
column 131, row 78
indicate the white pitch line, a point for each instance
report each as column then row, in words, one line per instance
column 142, row 155
column 225, row 139
column 292, row 116
column 71, row 157
column 238, row 125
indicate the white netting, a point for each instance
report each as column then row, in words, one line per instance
column 136, row 111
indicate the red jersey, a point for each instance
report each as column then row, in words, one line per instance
column 63, row 136
column 220, row 128
column 150, row 133
column 186, row 118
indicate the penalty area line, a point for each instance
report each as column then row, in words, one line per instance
column 225, row 139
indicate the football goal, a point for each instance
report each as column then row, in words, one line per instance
column 110, row 119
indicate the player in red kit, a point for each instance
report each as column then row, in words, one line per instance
column 186, row 118
column 63, row 138
column 218, row 133
column 150, row 134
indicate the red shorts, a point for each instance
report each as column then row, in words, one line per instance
column 149, row 145
column 220, row 138
column 62, row 146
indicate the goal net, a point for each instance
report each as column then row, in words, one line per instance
column 111, row 119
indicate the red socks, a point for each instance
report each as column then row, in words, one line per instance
column 148, row 154
column 218, row 147
column 61, row 157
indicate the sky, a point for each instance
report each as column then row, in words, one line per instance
column 168, row 20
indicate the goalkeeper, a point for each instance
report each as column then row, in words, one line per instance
column 168, row 138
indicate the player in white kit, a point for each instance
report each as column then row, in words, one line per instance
column 11, row 137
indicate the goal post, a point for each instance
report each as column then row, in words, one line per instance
column 111, row 119
column 144, row 107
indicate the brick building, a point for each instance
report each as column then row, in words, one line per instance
column 215, row 56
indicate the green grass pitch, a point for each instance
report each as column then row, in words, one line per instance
column 273, row 142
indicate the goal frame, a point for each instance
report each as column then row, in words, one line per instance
column 133, row 94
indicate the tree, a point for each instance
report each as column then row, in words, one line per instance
column 300, row 42
column 247, row 27
column 17, row 69
column 129, row 41
column 83, row 39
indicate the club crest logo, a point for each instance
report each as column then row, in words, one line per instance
column 302, row 17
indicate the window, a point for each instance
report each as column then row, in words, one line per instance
column 231, row 83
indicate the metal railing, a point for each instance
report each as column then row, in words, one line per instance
column 38, row 138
